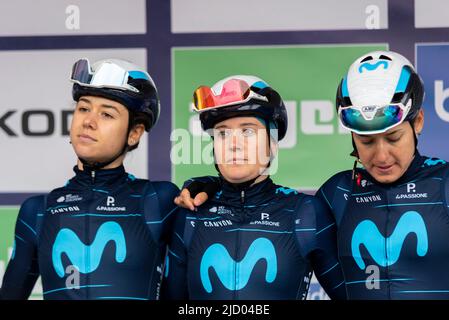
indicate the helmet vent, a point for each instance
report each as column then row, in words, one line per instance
column 367, row 59
column 397, row 97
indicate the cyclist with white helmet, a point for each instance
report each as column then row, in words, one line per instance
column 392, row 216
column 104, row 234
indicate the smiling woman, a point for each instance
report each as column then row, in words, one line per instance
column 65, row 236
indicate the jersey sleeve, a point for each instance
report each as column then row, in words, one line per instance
column 446, row 189
column 318, row 239
column 204, row 179
column 160, row 210
column 324, row 257
column 335, row 192
column 22, row 270
column 174, row 283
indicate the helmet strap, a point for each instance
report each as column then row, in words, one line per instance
column 100, row 165
column 412, row 124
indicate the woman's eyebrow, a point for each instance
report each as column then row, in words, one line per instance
column 108, row 106
column 395, row 131
column 103, row 105
column 248, row 124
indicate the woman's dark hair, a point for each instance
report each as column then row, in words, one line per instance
column 136, row 118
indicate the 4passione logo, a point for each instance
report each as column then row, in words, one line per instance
column 411, row 193
column 265, row 220
column 110, row 205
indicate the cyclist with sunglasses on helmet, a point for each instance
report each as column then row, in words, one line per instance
column 104, row 234
column 254, row 239
column 392, row 215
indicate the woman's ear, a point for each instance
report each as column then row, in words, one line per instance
column 135, row 134
column 274, row 148
column 419, row 122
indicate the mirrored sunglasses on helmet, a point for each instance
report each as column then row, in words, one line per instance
column 234, row 91
column 373, row 119
column 107, row 74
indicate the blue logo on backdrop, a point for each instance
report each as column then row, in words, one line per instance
column 68, row 242
column 432, row 64
column 218, row 258
column 368, row 234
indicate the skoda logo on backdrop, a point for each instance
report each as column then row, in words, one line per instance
column 35, row 123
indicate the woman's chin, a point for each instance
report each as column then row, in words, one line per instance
column 237, row 173
column 88, row 157
column 386, row 177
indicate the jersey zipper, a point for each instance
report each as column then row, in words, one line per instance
column 238, row 245
column 387, row 223
column 92, row 174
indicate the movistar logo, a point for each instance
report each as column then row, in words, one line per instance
column 368, row 234
column 433, row 162
column 370, row 67
column 84, row 257
column 286, row 191
column 13, row 254
column 167, row 266
column 235, row 275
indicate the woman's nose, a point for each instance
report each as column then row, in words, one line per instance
column 89, row 121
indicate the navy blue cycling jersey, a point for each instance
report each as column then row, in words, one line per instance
column 256, row 243
column 102, row 236
column 393, row 239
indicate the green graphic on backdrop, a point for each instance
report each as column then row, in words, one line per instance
column 8, row 216
column 304, row 75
